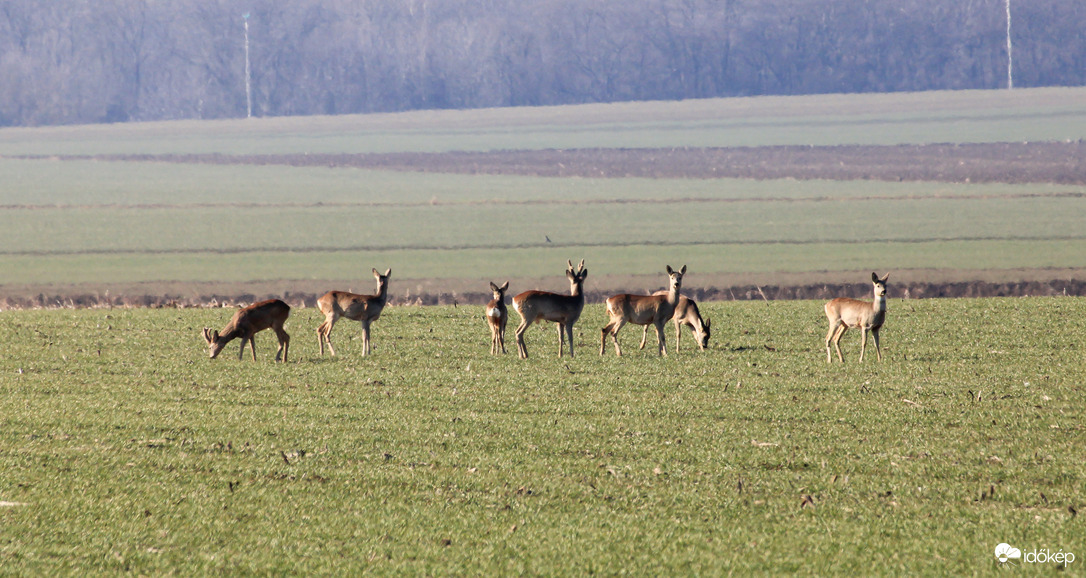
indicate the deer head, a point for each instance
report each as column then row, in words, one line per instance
column 215, row 345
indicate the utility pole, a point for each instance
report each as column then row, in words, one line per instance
column 248, row 74
column 1010, row 59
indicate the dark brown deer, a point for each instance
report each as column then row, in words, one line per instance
column 543, row 306
column 496, row 318
column 844, row 313
column 363, row 308
column 686, row 313
column 654, row 310
column 246, row 323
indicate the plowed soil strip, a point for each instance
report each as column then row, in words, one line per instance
column 1046, row 162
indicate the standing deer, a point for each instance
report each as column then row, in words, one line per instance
column 844, row 313
column 643, row 310
column 246, row 323
column 562, row 309
column 496, row 317
column 686, row 313
column 363, row 308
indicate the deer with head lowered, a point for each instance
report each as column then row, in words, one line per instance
column 363, row 308
column 686, row 313
column 496, row 317
column 246, row 323
column 843, row 313
column 654, row 310
column 543, row 306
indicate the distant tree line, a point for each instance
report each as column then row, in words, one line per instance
column 86, row 61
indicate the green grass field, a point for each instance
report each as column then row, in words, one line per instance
column 124, row 449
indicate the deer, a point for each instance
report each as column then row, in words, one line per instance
column 656, row 310
column 496, row 317
column 246, row 323
column 686, row 313
column 363, row 308
column 543, row 306
column 844, row 313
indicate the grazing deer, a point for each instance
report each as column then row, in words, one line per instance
column 246, row 323
column 363, row 308
column 496, row 317
column 844, row 313
column 562, row 309
column 686, row 313
column 656, row 310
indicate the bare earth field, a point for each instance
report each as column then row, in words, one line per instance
column 1049, row 162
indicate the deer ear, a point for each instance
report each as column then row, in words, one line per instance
column 504, row 286
column 683, row 270
column 887, row 277
column 388, row 272
column 375, row 273
column 207, row 335
column 493, row 287
column 874, row 277
column 669, row 271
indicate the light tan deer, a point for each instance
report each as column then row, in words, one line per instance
column 654, row 310
column 843, row 313
column 496, row 317
column 246, row 323
column 543, row 306
column 363, row 308
column 686, row 313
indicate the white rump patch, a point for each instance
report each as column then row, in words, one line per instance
column 493, row 312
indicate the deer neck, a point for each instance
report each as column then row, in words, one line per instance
column 878, row 307
column 382, row 294
column 673, row 294
column 229, row 333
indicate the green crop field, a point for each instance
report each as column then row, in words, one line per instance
column 72, row 225
column 125, row 222
column 124, row 449
column 1041, row 114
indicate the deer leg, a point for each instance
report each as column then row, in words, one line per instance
column 365, row 338
column 829, row 338
column 522, row 349
column 678, row 333
column 613, row 328
column 501, row 337
column 875, row 336
column 644, row 336
column 837, row 340
column 324, row 333
column 608, row 329
column 284, row 343
column 569, row 331
column 660, row 337
column 863, row 342
column 561, row 338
